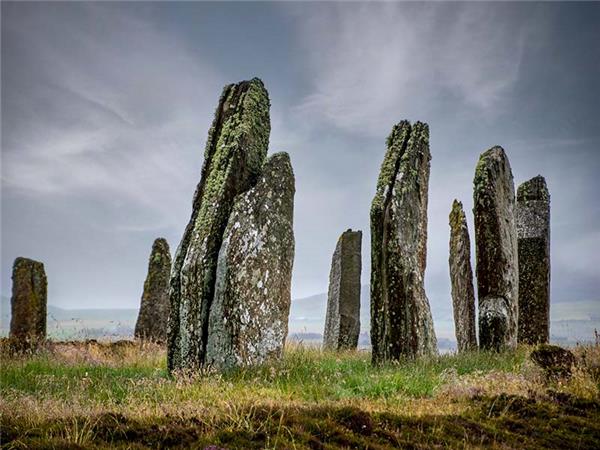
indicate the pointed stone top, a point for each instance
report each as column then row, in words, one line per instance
column 495, row 152
column 160, row 243
column 491, row 164
column 22, row 260
column 534, row 189
column 278, row 169
column 457, row 214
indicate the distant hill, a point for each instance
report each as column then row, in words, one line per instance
column 307, row 315
column 571, row 322
column 80, row 323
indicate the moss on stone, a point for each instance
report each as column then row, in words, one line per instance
column 234, row 155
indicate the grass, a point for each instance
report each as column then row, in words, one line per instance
column 81, row 395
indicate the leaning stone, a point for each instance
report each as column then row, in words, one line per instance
column 235, row 152
column 248, row 321
column 461, row 277
column 496, row 250
column 151, row 323
column 342, row 321
column 401, row 322
column 28, row 303
column 533, row 231
column 556, row 361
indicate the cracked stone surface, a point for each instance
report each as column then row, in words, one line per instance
column 248, row 321
column 342, row 321
column 154, row 308
column 461, row 279
column 29, row 301
column 235, row 152
column 496, row 250
column 401, row 322
column 533, row 232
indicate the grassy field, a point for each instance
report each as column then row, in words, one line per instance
column 94, row 395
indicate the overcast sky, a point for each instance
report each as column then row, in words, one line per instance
column 106, row 108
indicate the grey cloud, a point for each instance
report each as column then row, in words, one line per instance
column 105, row 110
column 369, row 61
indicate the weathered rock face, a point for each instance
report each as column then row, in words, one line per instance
column 249, row 316
column 401, row 323
column 342, row 321
column 154, row 309
column 29, row 301
column 533, row 232
column 235, row 152
column 461, row 278
column 496, row 250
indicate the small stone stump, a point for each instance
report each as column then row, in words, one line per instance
column 556, row 361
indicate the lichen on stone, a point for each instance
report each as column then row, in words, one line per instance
column 235, row 151
column 461, row 278
column 248, row 321
column 28, row 302
column 342, row 320
column 533, row 231
column 496, row 250
column 401, row 323
column 152, row 319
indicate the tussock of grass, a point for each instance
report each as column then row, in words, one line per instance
column 88, row 394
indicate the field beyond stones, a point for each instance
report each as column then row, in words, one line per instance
column 119, row 395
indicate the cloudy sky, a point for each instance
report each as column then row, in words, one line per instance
column 106, row 108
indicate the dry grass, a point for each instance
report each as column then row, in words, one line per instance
column 86, row 394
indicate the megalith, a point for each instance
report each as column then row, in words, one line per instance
column 461, row 279
column 496, row 250
column 152, row 319
column 248, row 321
column 401, row 322
column 235, row 152
column 342, row 320
column 28, row 302
column 533, row 232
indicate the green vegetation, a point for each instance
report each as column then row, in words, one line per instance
column 82, row 395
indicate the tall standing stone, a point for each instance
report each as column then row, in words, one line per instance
column 154, row 309
column 342, row 321
column 28, row 301
column 496, row 250
column 235, row 151
column 533, row 231
column 401, row 322
column 461, row 278
column 248, row 321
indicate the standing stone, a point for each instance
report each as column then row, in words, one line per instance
column 28, row 302
column 248, row 321
column 235, row 152
column 496, row 250
column 461, row 277
column 533, row 231
column 401, row 322
column 342, row 321
column 154, row 310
